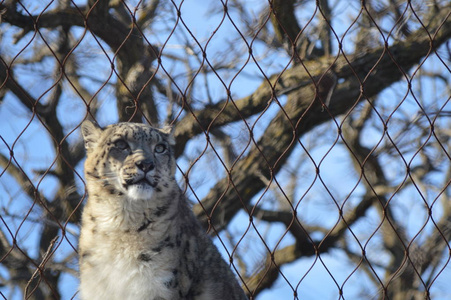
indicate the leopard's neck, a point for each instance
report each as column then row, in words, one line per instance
column 119, row 213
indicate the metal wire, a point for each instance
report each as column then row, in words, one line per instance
column 323, row 127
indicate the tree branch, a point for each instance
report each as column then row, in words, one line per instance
column 299, row 115
column 364, row 75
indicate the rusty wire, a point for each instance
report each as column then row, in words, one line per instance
column 324, row 128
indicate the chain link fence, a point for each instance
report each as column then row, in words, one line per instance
column 313, row 137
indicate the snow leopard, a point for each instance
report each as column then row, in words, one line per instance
column 139, row 238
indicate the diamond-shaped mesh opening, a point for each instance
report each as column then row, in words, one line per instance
column 312, row 136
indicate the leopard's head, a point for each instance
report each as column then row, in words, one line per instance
column 129, row 159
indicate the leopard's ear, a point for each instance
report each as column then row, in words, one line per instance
column 168, row 130
column 91, row 133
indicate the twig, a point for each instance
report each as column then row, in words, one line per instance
column 40, row 268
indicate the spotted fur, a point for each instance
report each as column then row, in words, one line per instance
column 139, row 238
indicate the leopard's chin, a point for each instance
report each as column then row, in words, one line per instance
column 141, row 190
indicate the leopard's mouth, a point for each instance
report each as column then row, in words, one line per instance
column 141, row 183
column 140, row 188
column 144, row 181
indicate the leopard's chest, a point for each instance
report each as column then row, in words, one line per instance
column 125, row 272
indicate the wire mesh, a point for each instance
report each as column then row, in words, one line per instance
column 323, row 127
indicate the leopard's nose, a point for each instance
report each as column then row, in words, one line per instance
column 145, row 165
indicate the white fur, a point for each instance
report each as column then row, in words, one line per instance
column 140, row 192
column 116, row 267
column 140, row 283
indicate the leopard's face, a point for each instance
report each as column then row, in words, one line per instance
column 129, row 159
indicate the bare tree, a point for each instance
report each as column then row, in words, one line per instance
column 323, row 126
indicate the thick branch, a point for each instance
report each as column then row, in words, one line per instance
column 8, row 81
column 21, row 178
column 304, row 245
column 283, row 19
column 265, row 278
column 125, row 41
column 377, row 66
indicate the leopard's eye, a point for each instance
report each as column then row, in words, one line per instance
column 160, row 148
column 121, row 144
